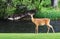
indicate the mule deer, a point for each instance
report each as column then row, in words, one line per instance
column 41, row 21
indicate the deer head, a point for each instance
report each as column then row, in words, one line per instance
column 30, row 14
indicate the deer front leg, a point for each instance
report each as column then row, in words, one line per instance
column 36, row 29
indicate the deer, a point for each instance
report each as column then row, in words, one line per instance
column 41, row 21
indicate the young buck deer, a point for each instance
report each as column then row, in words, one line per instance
column 41, row 21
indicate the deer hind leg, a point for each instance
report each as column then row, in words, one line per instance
column 36, row 29
column 51, row 27
column 48, row 29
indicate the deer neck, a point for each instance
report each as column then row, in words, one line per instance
column 32, row 18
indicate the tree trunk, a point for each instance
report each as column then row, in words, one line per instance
column 54, row 3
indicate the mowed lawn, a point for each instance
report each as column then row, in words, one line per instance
column 29, row 36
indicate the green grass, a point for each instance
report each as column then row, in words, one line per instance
column 29, row 36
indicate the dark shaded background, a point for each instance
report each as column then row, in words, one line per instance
column 25, row 26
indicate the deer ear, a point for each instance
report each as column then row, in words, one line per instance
column 29, row 14
column 33, row 14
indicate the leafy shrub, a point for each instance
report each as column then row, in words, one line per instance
column 10, row 10
column 48, row 13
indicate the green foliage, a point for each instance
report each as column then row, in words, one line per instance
column 48, row 13
column 15, row 2
column 42, row 7
column 2, row 8
column 10, row 10
column 46, row 3
column 29, row 36
column 59, row 4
